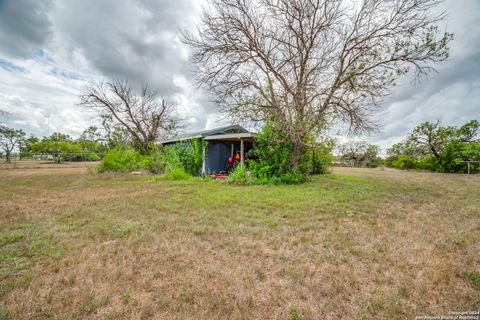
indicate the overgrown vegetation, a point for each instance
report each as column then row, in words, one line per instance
column 186, row 155
column 124, row 159
column 271, row 157
column 433, row 147
column 177, row 161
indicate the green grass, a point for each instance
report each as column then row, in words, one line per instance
column 474, row 276
column 393, row 244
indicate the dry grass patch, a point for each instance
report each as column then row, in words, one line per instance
column 357, row 244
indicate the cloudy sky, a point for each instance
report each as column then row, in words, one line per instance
column 50, row 49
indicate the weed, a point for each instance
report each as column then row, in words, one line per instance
column 474, row 276
column 3, row 314
column 294, row 314
column 349, row 213
column 126, row 297
column 260, row 275
column 461, row 242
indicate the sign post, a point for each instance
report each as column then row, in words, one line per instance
column 468, row 166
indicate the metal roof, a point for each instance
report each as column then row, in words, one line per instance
column 202, row 134
column 232, row 136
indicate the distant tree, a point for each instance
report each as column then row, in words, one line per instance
column 305, row 64
column 431, row 137
column 359, row 153
column 119, row 137
column 26, row 145
column 437, row 148
column 92, row 134
column 59, row 137
column 145, row 116
column 9, row 139
column 469, row 132
column 58, row 149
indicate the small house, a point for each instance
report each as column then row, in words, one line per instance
column 232, row 142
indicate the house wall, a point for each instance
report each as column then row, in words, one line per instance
column 217, row 154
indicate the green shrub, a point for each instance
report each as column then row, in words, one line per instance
column 156, row 160
column 123, row 159
column 176, row 174
column 403, row 162
column 291, row 177
column 270, row 154
column 238, row 176
column 187, row 155
column 92, row 156
column 270, row 158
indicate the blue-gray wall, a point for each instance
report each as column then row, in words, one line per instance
column 217, row 154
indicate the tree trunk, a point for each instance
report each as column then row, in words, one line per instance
column 145, row 147
column 7, row 156
column 297, row 150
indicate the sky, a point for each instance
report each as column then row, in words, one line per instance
column 51, row 49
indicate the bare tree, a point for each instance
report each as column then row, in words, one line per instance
column 9, row 139
column 306, row 63
column 145, row 116
column 359, row 153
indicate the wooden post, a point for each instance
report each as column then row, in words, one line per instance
column 204, row 153
column 241, row 152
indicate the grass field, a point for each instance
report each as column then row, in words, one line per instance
column 355, row 244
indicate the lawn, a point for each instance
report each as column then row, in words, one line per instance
column 354, row 244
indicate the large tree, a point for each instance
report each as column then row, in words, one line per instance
column 306, row 63
column 144, row 115
column 431, row 138
column 10, row 139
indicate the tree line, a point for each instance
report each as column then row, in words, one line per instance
column 431, row 146
column 90, row 146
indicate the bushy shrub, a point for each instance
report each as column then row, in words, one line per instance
column 239, row 176
column 403, row 162
column 156, row 160
column 290, row 177
column 92, row 156
column 176, row 161
column 455, row 154
column 187, row 155
column 270, row 159
column 270, row 156
column 123, row 159
column 177, row 174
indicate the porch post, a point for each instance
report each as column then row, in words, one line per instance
column 241, row 152
column 204, row 158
